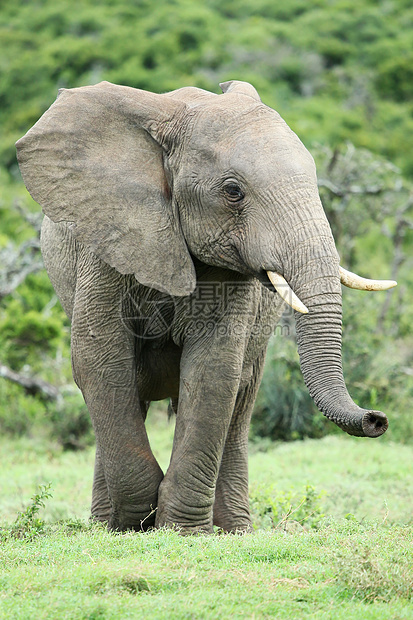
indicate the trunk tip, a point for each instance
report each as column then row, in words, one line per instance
column 374, row 423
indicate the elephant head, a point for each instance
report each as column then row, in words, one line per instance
column 150, row 181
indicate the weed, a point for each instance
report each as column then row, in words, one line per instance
column 27, row 524
column 286, row 510
column 134, row 585
column 73, row 526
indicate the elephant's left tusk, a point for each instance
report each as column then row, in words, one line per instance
column 352, row 280
column 285, row 291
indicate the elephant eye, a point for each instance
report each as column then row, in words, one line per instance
column 233, row 192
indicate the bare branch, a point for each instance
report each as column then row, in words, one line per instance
column 351, row 189
column 17, row 263
column 34, row 219
column 32, row 385
column 18, row 278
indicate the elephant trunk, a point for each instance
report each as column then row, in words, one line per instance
column 316, row 281
column 319, row 347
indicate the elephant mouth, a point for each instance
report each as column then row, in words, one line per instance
column 276, row 283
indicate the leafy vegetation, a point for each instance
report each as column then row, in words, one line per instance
column 286, row 510
column 338, row 72
column 27, row 525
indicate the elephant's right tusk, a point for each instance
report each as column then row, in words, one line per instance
column 352, row 280
column 285, row 291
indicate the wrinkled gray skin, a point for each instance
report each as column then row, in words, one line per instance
column 146, row 193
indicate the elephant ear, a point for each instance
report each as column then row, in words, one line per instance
column 242, row 88
column 95, row 159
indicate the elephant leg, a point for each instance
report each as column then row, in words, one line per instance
column 231, row 506
column 104, row 367
column 210, row 376
column 100, row 496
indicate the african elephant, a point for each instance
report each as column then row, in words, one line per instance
column 177, row 226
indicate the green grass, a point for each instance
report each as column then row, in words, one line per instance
column 370, row 479
column 353, row 563
column 93, row 574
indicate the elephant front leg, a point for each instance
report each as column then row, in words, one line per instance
column 101, row 506
column 208, row 389
column 125, row 463
column 104, row 367
column 231, row 506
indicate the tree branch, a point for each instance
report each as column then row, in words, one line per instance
column 17, row 264
column 34, row 219
column 32, row 385
column 351, row 189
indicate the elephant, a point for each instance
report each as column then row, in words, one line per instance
column 177, row 227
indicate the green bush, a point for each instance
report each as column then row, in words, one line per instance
column 69, row 423
column 271, row 508
column 27, row 524
column 284, row 409
column 27, row 334
column 65, row 421
column 20, row 414
column 395, row 78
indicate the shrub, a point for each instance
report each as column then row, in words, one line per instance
column 27, row 524
column 70, row 423
column 273, row 509
column 284, row 409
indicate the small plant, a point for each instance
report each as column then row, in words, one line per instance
column 287, row 510
column 27, row 524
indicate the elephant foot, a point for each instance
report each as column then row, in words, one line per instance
column 182, row 521
column 194, row 524
column 100, row 513
column 97, row 519
column 234, row 526
column 231, row 516
column 184, row 527
column 121, row 521
column 187, row 513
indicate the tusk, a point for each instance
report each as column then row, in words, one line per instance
column 285, row 291
column 352, row 280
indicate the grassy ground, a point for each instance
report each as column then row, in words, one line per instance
column 355, row 562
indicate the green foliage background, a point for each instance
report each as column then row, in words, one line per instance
column 339, row 72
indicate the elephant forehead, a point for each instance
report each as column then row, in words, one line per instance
column 253, row 142
column 224, row 118
column 266, row 152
